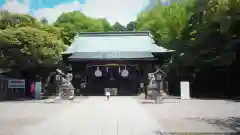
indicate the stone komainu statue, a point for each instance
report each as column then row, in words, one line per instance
column 66, row 89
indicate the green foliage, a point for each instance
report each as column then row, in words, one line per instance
column 165, row 22
column 16, row 20
column 211, row 32
column 106, row 26
column 26, row 43
column 203, row 32
column 74, row 22
column 30, row 45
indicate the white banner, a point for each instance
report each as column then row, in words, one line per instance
column 185, row 90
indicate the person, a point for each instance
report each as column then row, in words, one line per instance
column 107, row 95
column 32, row 89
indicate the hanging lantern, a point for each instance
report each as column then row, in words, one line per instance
column 98, row 73
column 124, row 72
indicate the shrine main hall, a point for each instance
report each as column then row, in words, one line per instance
column 119, row 61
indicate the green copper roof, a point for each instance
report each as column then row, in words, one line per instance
column 114, row 42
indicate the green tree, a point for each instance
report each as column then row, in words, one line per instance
column 211, row 33
column 166, row 22
column 106, row 25
column 199, row 30
column 25, row 46
column 74, row 22
column 16, row 20
column 28, row 47
column 203, row 33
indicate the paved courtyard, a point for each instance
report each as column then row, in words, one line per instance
column 94, row 116
column 119, row 116
column 196, row 116
column 19, row 114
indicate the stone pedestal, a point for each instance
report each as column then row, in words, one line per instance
column 66, row 90
column 159, row 100
column 157, row 97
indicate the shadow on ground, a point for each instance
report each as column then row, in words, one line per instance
column 234, row 99
column 18, row 100
column 232, row 123
column 164, row 102
column 189, row 133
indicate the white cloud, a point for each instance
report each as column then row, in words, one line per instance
column 51, row 14
column 122, row 11
column 16, row 7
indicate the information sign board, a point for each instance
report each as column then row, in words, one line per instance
column 16, row 83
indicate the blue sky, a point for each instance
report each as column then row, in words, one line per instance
column 122, row 11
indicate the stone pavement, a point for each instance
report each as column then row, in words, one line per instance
column 196, row 116
column 15, row 115
column 95, row 116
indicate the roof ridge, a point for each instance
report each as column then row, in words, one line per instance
column 114, row 33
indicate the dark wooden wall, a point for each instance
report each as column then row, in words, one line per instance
column 126, row 86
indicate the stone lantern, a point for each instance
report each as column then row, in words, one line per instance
column 158, row 75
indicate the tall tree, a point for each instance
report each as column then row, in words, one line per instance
column 106, row 25
column 211, row 32
column 203, row 33
column 17, row 20
column 166, row 22
column 74, row 22
column 27, row 45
